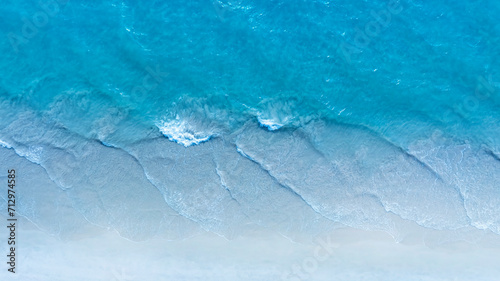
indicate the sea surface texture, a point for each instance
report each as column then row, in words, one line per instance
column 168, row 120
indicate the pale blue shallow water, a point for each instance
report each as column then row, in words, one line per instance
column 226, row 116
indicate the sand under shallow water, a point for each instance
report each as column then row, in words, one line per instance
column 343, row 254
column 252, row 206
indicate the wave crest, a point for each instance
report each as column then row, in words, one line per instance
column 182, row 132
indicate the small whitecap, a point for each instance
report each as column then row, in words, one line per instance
column 270, row 124
column 182, row 132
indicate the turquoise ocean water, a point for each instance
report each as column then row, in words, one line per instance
column 294, row 116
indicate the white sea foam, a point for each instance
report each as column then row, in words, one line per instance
column 182, row 132
column 275, row 114
column 4, row 144
column 270, row 124
column 32, row 153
